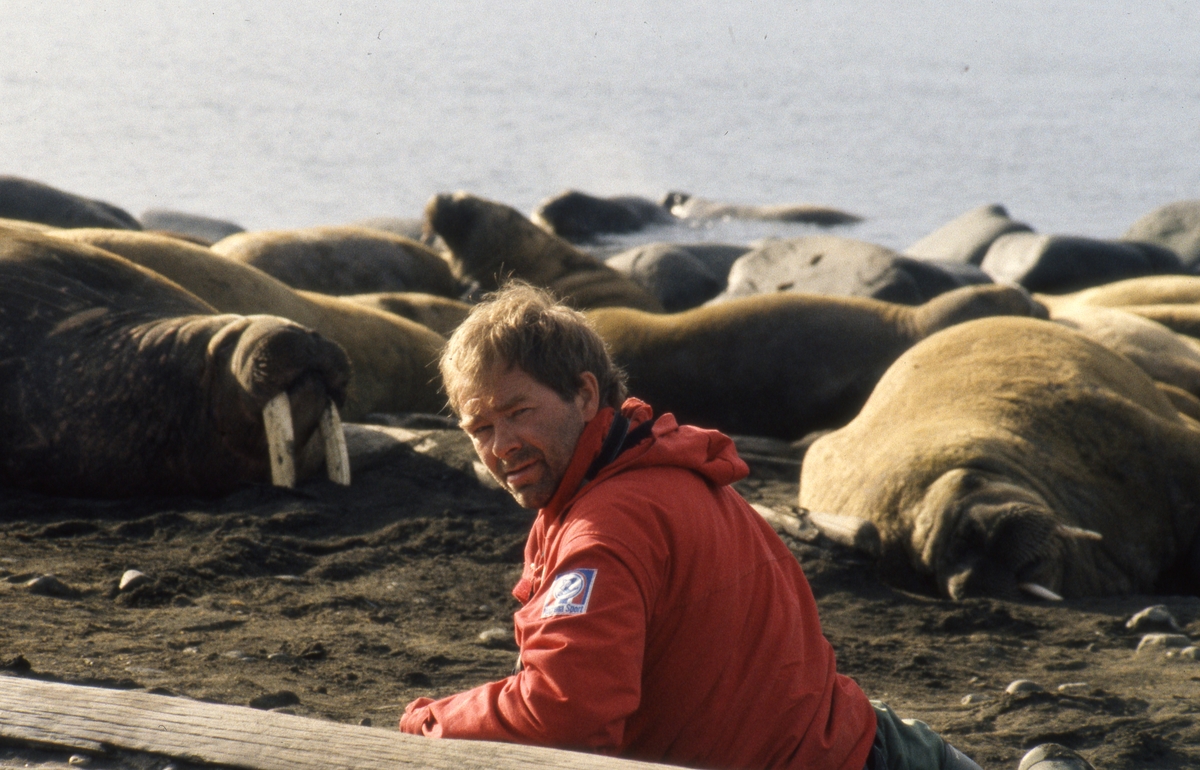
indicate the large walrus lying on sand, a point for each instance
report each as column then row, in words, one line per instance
column 393, row 359
column 781, row 364
column 115, row 382
column 1009, row 454
column 490, row 242
column 342, row 260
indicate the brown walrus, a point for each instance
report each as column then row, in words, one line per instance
column 1008, row 455
column 393, row 358
column 688, row 206
column 115, row 382
column 441, row 314
column 490, row 242
column 342, row 260
column 784, row 364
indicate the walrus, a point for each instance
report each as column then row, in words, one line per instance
column 1171, row 300
column 490, row 242
column 966, row 238
column 680, row 275
column 831, row 264
column 441, row 314
column 38, row 202
column 393, row 358
column 781, row 365
column 206, row 229
column 115, row 382
column 1006, row 456
column 578, row 216
column 1175, row 226
column 342, row 260
column 688, row 206
column 1061, row 263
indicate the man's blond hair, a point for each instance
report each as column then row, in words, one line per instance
column 523, row 326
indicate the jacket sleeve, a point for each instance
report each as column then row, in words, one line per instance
column 581, row 670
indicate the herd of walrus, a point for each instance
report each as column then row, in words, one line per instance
column 1016, row 413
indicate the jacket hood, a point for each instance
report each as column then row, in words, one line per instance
column 709, row 453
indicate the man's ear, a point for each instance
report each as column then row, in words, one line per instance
column 587, row 399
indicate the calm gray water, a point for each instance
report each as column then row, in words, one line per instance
column 1079, row 116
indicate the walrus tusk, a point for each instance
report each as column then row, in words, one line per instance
column 337, row 456
column 1080, row 532
column 1040, row 591
column 851, row 531
column 281, row 440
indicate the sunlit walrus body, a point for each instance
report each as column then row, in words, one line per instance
column 1007, row 455
column 781, row 364
column 115, row 382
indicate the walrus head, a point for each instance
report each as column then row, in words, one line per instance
column 982, row 535
column 274, row 385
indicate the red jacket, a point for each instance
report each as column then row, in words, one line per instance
column 664, row 620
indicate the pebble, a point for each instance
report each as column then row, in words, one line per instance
column 280, row 657
column 365, row 722
column 131, row 579
column 1161, row 642
column 79, row 760
column 1023, row 686
column 275, row 700
column 496, row 636
column 1157, row 617
column 237, row 655
column 1073, row 688
column 975, row 697
column 49, row 585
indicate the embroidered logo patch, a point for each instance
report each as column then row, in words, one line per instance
column 569, row 593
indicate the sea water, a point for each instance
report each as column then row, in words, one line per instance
column 1079, row 116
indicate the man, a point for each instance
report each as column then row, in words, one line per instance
column 663, row 619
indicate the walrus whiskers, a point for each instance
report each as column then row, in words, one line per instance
column 281, row 440
column 1040, row 591
column 337, row 456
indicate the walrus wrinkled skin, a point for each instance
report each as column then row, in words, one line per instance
column 37, row 202
column 578, row 216
column 342, row 260
column 687, row 206
column 394, row 360
column 115, row 382
column 1010, row 452
column 781, row 365
column 490, row 242
column 1171, row 300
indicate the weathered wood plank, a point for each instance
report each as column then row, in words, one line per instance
column 88, row 718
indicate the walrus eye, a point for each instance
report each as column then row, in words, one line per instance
column 281, row 442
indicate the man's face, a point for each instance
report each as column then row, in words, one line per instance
column 524, row 432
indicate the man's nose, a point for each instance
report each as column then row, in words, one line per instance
column 504, row 441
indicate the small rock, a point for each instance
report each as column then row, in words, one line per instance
column 1023, row 687
column 275, row 700
column 289, row 578
column 49, row 585
column 1073, row 688
column 131, row 579
column 1157, row 617
column 237, row 655
column 79, row 760
column 1154, row 643
column 18, row 664
column 496, row 637
column 1190, row 653
column 280, row 657
column 975, row 697
column 365, row 721
column 315, row 651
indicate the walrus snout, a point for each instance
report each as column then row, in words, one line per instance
column 274, row 355
column 449, row 215
column 1005, row 551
